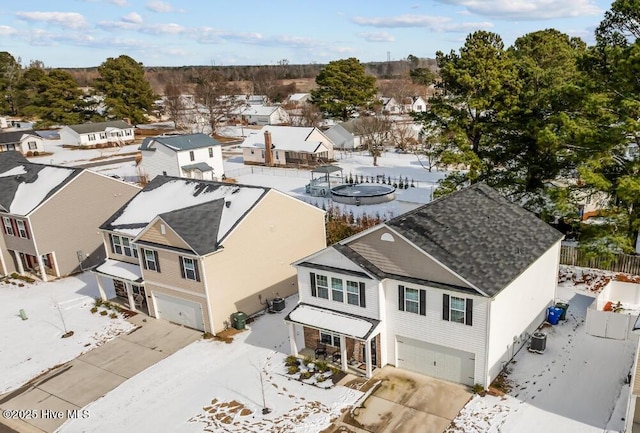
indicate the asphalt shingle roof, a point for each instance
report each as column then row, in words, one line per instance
column 15, row 136
column 181, row 142
column 197, row 225
column 479, row 235
column 87, row 128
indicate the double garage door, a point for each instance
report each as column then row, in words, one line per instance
column 437, row 361
column 181, row 311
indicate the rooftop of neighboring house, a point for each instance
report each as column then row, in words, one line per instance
column 259, row 110
column 24, row 185
column 88, row 128
column 288, row 138
column 201, row 212
column 180, row 142
column 15, row 136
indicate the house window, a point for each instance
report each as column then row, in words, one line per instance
column 150, row 260
column 92, row 137
column 128, row 248
column 127, row 132
column 322, row 286
column 252, row 151
column 189, row 269
column 103, row 136
column 455, row 309
column 116, row 243
column 192, row 156
column 337, row 292
column 22, row 230
column 353, row 293
column 8, row 229
column 32, row 145
column 330, row 339
column 211, row 152
column 412, row 300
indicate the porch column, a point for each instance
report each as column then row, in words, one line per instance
column 292, row 339
column 43, row 273
column 132, row 305
column 19, row 262
column 383, row 348
column 103, row 295
column 3, row 264
column 343, row 353
column 367, row 351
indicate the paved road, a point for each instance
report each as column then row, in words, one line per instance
column 65, row 390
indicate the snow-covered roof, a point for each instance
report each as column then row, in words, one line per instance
column 334, row 321
column 289, row 138
column 259, row 110
column 298, row 96
column 118, row 269
column 87, row 128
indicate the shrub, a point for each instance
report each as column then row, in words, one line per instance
column 478, row 389
column 322, row 366
column 103, row 313
column 208, row 335
column 29, row 154
column 320, row 379
column 291, row 360
column 334, row 370
column 305, row 375
column 94, row 310
column 98, row 302
column 36, row 153
column 113, row 315
column 293, row 369
column 307, row 360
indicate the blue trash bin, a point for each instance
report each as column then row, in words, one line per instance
column 553, row 315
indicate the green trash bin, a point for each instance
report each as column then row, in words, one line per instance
column 564, row 307
column 239, row 320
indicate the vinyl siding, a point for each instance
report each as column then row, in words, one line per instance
column 331, row 257
column 520, row 308
column 170, row 274
column 202, row 155
column 432, row 328
column 159, row 161
column 154, row 234
column 15, row 242
column 68, row 222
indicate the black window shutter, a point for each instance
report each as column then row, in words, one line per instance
column 469, row 312
column 314, row 293
column 445, row 307
column 180, row 259
column 155, row 254
column 423, row 302
column 144, row 257
column 401, row 298
column 363, row 300
column 113, row 250
column 195, row 266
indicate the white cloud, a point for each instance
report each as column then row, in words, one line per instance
column 161, row 7
column 434, row 23
column 70, row 20
column 528, row 9
column 118, row 2
column 163, row 29
column 377, row 37
column 133, row 17
column 6, row 31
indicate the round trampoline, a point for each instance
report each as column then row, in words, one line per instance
column 363, row 193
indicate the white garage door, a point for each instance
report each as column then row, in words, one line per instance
column 437, row 361
column 179, row 310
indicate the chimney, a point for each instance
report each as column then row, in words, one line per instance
column 268, row 152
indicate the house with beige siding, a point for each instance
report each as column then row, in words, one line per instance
column 194, row 251
column 452, row 289
column 50, row 214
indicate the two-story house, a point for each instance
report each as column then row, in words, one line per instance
column 49, row 216
column 91, row 134
column 452, row 289
column 196, row 156
column 194, row 252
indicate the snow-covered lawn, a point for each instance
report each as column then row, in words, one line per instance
column 59, row 155
column 33, row 346
column 576, row 385
column 215, row 386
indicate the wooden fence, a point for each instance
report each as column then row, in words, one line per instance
column 570, row 255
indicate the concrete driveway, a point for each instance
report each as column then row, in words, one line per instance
column 404, row 402
column 73, row 385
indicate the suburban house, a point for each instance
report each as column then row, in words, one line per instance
column 452, row 289
column 261, row 115
column 287, row 145
column 414, row 104
column 345, row 135
column 390, row 105
column 115, row 132
column 298, row 99
column 194, row 252
column 23, row 141
column 50, row 214
column 196, row 156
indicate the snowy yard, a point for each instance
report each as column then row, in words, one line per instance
column 215, row 386
column 33, row 346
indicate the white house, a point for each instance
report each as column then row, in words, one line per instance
column 90, row 134
column 262, row 115
column 288, row 144
column 390, row 105
column 195, row 156
column 24, row 141
column 452, row 289
column 415, row 104
column 298, row 99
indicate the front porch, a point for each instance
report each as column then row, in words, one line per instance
column 42, row 267
column 127, row 283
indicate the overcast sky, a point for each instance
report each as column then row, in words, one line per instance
column 83, row 33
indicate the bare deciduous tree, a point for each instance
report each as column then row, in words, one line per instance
column 306, row 115
column 217, row 95
column 375, row 134
column 173, row 102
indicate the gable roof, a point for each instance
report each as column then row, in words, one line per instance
column 188, row 205
column 87, row 128
column 479, row 235
column 25, row 185
column 339, row 135
column 291, row 138
column 180, row 142
column 15, row 136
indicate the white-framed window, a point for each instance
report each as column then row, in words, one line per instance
column 211, row 152
column 330, row 339
column 32, row 145
column 92, row 137
column 412, row 300
column 353, row 293
column 8, row 228
column 322, row 286
column 337, row 291
column 150, row 260
column 457, row 309
column 189, row 269
column 22, row 230
column 192, row 155
column 116, row 242
column 103, row 135
column 128, row 248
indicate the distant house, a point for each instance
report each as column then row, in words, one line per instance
column 195, row 156
column 414, row 104
column 49, row 216
column 298, row 99
column 91, row 134
column 23, row 141
column 261, row 115
column 452, row 289
column 390, row 105
column 282, row 145
column 194, row 252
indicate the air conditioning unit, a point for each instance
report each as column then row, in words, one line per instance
column 538, row 342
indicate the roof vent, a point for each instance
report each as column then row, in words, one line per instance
column 227, row 204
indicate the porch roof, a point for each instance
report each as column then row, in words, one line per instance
column 330, row 320
column 121, row 270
